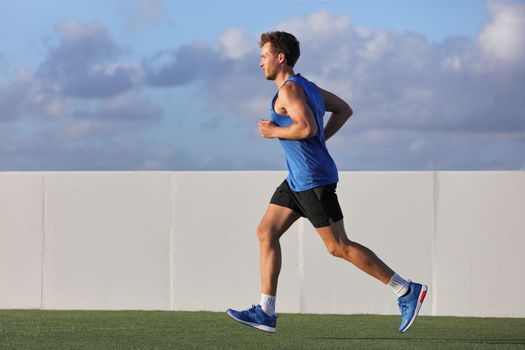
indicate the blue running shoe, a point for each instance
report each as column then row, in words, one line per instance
column 410, row 304
column 255, row 317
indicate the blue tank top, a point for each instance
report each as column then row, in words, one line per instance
column 309, row 163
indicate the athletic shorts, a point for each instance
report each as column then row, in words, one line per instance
column 318, row 205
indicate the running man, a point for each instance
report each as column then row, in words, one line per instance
column 296, row 115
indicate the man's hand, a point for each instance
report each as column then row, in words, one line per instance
column 341, row 111
column 267, row 128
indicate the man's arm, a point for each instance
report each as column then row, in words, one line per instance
column 341, row 111
column 293, row 99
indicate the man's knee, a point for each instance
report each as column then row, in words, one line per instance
column 265, row 234
column 340, row 249
column 336, row 251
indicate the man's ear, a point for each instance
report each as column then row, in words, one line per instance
column 281, row 57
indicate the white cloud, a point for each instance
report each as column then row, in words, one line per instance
column 320, row 25
column 129, row 109
column 503, row 37
column 236, row 43
column 456, row 104
column 82, row 66
column 80, row 109
column 84, row 63
column 145, row 12
column 181, row 66
column 418, row 104
column 72, row 31
column 67, row 149
column 396, row 80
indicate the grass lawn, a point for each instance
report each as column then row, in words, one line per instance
column 35, row 329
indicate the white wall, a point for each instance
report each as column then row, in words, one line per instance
column 186, row 241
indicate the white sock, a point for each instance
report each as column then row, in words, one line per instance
column 399, row 285
column 268, row 304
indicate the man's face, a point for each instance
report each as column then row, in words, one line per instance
column 269, row 62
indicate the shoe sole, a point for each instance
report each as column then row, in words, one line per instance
column 253, row 325
column 420, row 299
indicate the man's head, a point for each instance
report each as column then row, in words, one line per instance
column 278, row 48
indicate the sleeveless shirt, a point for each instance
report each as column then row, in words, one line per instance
column 308, row 161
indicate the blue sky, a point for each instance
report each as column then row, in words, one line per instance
column 156, row 85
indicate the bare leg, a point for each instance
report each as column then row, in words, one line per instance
column 273, row 225
column 338, row 244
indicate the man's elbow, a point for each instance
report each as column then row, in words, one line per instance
column 347, row 112
column 308, row 131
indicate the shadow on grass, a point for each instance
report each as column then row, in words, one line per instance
column 432, row 340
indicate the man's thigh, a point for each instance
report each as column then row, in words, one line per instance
column 333, row 234
column 277, row 219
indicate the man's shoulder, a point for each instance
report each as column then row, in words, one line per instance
column 301, row 79
column 291, row 90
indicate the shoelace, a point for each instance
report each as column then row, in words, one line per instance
column 402, row 307
column 251, row 310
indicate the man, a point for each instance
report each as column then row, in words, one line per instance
column 309, row 190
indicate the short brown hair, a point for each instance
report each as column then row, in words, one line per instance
column 282, row 42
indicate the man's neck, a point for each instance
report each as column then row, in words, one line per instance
column 282, row 76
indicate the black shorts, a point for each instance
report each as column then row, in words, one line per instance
column 318, row 205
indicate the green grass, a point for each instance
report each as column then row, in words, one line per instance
column 31, row 329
